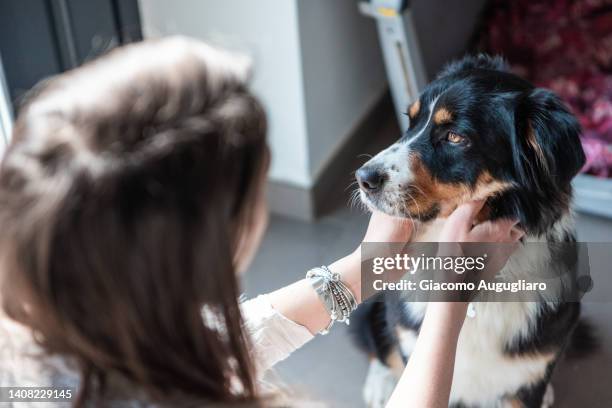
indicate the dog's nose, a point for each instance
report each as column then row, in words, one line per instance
column 370, row 179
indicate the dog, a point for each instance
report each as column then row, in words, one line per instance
column 479, row 132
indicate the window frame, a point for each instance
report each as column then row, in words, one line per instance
column 6, row 111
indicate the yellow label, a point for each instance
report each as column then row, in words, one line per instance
column 387, row 12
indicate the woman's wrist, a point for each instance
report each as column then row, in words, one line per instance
column 349, row 269
column 447, row 315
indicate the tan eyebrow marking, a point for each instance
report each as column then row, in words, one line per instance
column 414, row 109
column 533, row 143
column 442, row 116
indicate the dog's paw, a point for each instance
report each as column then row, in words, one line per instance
column 549, row 397
column 379, row 385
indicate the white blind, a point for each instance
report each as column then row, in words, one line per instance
column 6, row 111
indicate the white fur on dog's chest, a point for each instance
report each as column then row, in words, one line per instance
column 483, row 372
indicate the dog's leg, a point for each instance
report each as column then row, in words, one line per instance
column 549, row 397
column 540, row 396
column 379, row 384
column 510, row 403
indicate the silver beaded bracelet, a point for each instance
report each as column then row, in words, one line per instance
column 337, row 298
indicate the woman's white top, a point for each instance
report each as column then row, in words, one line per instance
column 274, row 336
column 22, row 363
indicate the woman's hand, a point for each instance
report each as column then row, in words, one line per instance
column 496, row 239
column 381, row 228
column 460, row 226
column 385, row 228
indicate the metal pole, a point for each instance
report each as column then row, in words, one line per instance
column 400, row 47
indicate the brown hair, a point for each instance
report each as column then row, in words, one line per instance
column 124, row 195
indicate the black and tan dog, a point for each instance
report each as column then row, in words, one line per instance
column 479, row 132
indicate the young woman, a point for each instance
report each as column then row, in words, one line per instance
column 130, row 197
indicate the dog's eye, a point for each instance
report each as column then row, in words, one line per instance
column 454, row 138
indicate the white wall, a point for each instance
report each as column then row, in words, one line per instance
column 268, row 31
column 344, row 74
column 317, row 67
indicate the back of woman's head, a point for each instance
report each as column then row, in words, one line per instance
column 124, row 195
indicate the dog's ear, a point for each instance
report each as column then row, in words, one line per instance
column 546, row 145
column 471, row 62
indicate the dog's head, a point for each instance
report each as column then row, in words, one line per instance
column 479, row 132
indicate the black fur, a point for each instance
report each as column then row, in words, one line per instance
column 550, row 334
column 470, row 62
column 583, row 342
column 532, row 395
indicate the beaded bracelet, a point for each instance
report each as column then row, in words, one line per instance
column 337, row 298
